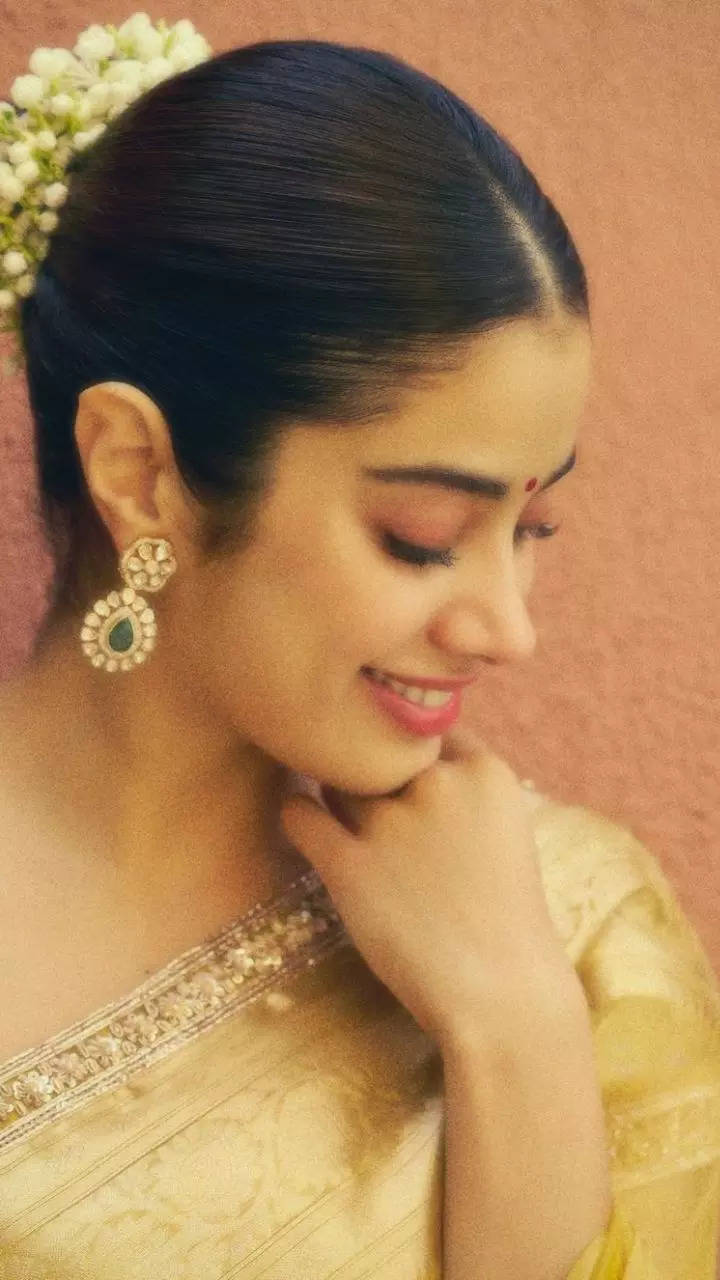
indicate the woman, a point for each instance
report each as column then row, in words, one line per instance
column 412, row 1021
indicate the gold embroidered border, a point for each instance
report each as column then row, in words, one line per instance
column 202, row 987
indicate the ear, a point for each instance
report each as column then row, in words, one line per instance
column 123, row 445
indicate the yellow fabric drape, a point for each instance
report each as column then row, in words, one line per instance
column 302, row 1136
column 616, row 1254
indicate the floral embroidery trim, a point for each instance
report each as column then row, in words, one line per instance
column 202, row 987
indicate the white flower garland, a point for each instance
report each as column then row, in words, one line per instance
column 65, row 105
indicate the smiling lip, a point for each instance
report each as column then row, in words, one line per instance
column 430, row 682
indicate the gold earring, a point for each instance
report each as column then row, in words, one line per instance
column 119, row 633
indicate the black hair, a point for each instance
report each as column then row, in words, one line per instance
column 291, row 232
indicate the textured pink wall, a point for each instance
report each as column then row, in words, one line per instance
column 614, row 105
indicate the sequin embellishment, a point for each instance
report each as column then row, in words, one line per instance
column 200, row 988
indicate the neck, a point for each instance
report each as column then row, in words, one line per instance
column 146, row 780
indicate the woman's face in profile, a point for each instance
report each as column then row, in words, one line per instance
column 322, row 592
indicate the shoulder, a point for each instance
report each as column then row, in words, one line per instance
column 654, row 1005
column 591, row 864
column 652, row 991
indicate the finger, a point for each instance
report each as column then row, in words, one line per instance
column 315, row 832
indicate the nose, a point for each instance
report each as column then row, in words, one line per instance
column 491, row 622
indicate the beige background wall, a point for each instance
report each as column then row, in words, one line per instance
column 615, row 107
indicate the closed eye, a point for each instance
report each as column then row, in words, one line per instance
column 421, row 557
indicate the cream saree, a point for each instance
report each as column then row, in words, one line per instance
column 264, row 1109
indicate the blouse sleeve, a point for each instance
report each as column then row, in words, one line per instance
column 654, row 1001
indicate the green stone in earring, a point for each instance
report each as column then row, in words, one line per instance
column 121, row 636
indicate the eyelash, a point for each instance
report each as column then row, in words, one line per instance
column 421, row 557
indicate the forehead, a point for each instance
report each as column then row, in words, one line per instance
column 521, row 374
column 512, row 410
column 515, row 404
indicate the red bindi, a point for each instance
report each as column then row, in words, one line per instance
column 531, row 483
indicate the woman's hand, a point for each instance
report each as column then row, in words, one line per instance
column 439, row 886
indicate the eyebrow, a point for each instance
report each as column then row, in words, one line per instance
column 463, row 481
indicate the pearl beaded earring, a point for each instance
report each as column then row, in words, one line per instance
column 119, row 633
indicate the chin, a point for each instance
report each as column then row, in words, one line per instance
column 369, row 788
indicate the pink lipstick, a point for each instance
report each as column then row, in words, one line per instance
column 412, row 716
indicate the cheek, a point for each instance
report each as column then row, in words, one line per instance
column 390, row 610
column 289, row 624
column 295, row 620
column 342, row 595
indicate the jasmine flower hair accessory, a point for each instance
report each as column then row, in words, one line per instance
column 57, row 111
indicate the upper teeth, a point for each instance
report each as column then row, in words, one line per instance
column 424, row 697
